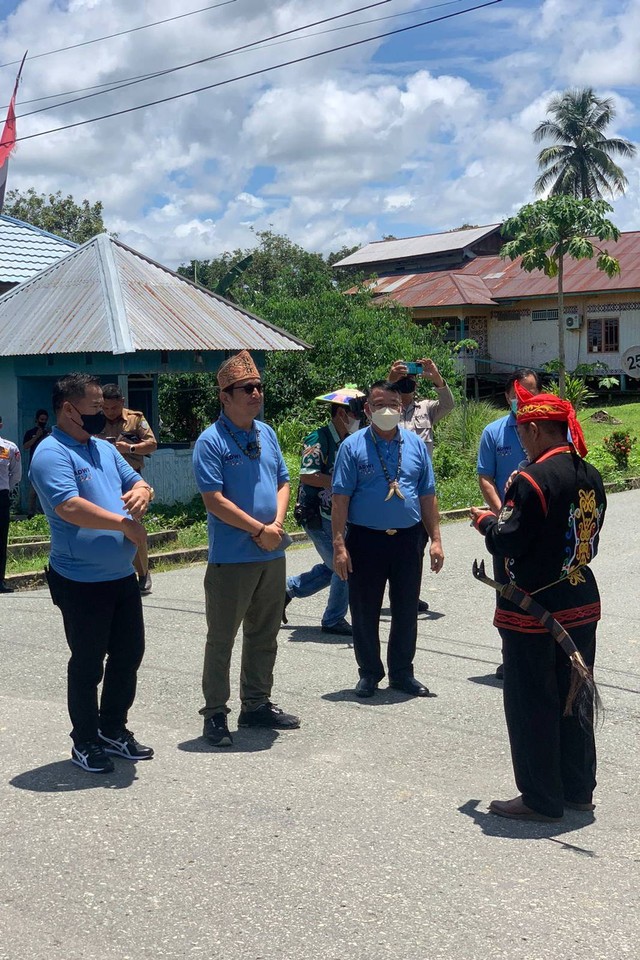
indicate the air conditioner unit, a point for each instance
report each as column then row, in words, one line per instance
column 573, row 322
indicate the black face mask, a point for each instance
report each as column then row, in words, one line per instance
column 92, row 423
column 406, row 385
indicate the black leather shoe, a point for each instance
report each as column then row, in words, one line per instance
column 423, row 606
column 268, row 715
column 411, row 686
column 341, row 629
column 365, row 687
column 287, row 601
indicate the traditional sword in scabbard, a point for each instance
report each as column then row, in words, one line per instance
column 582, row 681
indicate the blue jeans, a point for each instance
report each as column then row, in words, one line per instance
column 321, row 576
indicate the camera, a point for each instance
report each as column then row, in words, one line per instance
column 413, row 369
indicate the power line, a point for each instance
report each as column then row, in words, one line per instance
column 255, row 73
column 272, row 41
column 122, row 33
column 215, row 56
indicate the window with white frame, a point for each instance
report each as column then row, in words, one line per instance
column 551, row 314
column 603, row 334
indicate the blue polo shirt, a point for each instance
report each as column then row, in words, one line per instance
column 500, row 451
column 252, row 485
column 62, row 468
column 358, row 474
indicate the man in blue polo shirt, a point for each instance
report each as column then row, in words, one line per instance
column 500, row 454
column 383, row 485
column 244, row 483
column 93, row 501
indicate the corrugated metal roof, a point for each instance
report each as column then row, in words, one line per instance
column 106, row 297
column 438, row 289
column 431, row 243
column 25, row 250
column 489, row 280
column 580, row 276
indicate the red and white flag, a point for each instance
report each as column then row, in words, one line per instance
column 8, row 139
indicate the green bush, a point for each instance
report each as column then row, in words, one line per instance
column 576, row 391
column 619, row 444
column 602, row 461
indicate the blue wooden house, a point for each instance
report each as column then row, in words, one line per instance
column 108, row 310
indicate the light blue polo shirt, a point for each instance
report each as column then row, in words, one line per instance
column 358, row 474
column 62, row 468
column 500, row 451
column 252, row 485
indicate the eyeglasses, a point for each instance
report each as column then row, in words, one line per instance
column 248, row 387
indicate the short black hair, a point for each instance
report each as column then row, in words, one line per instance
column 111, row 391
column 337, row 407
column 519, row 375
column 42, row 412
column 72, row 387
column 383, row 385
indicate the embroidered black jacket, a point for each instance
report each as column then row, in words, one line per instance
column 548, row 532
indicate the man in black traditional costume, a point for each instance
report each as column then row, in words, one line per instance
column 547, row 533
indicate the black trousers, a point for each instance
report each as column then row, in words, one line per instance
column 100, row 620
column 554, row 757
column 378, row 559
column 4, row 531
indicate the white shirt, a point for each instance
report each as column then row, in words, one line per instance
column 10, row 465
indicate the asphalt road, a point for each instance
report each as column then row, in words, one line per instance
column 364, row 834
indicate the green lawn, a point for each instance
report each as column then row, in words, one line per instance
column 457, row 440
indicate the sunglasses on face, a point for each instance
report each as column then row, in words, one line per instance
column 248, row 387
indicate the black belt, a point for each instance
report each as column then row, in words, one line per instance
column 390, row 532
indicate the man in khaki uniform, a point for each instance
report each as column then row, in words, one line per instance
column 133, row 438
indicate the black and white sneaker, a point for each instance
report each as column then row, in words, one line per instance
column 124, row 744
column 216, row 731
column 92, row 757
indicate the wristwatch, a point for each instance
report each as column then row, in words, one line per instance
column 132, row 449
column 152, row 493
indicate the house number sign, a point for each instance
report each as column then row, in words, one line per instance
column 631, row 362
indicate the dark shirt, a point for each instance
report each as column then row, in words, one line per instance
column 29, row 435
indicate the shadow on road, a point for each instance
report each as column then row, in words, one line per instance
column 487, row 680
column 62, row 776
column 493, row 826
column 381, row 697
column 427, row 615
column 243, row 742
column 315, row 635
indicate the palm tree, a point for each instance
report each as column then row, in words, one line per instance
column 580, row 161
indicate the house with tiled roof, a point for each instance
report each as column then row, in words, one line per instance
column 511, row 314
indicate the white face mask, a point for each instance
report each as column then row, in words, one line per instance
column 352, row 426
column 385, row 419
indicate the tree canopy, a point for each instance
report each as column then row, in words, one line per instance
column 78, row 222
column 545, row 232
column 353, row 339
column 580, row 161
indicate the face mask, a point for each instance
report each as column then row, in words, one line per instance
column 514, row 405
column 385, row 419
column 92, row 423
column 353, row 426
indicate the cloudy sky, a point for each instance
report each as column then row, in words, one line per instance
column 413, row 133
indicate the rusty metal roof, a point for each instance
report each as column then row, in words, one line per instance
column 442, row 288
column 490, row 280
column 432, row 243
column 25, row 249
column 106, row 297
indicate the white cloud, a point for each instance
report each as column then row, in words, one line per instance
column 335, row 151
